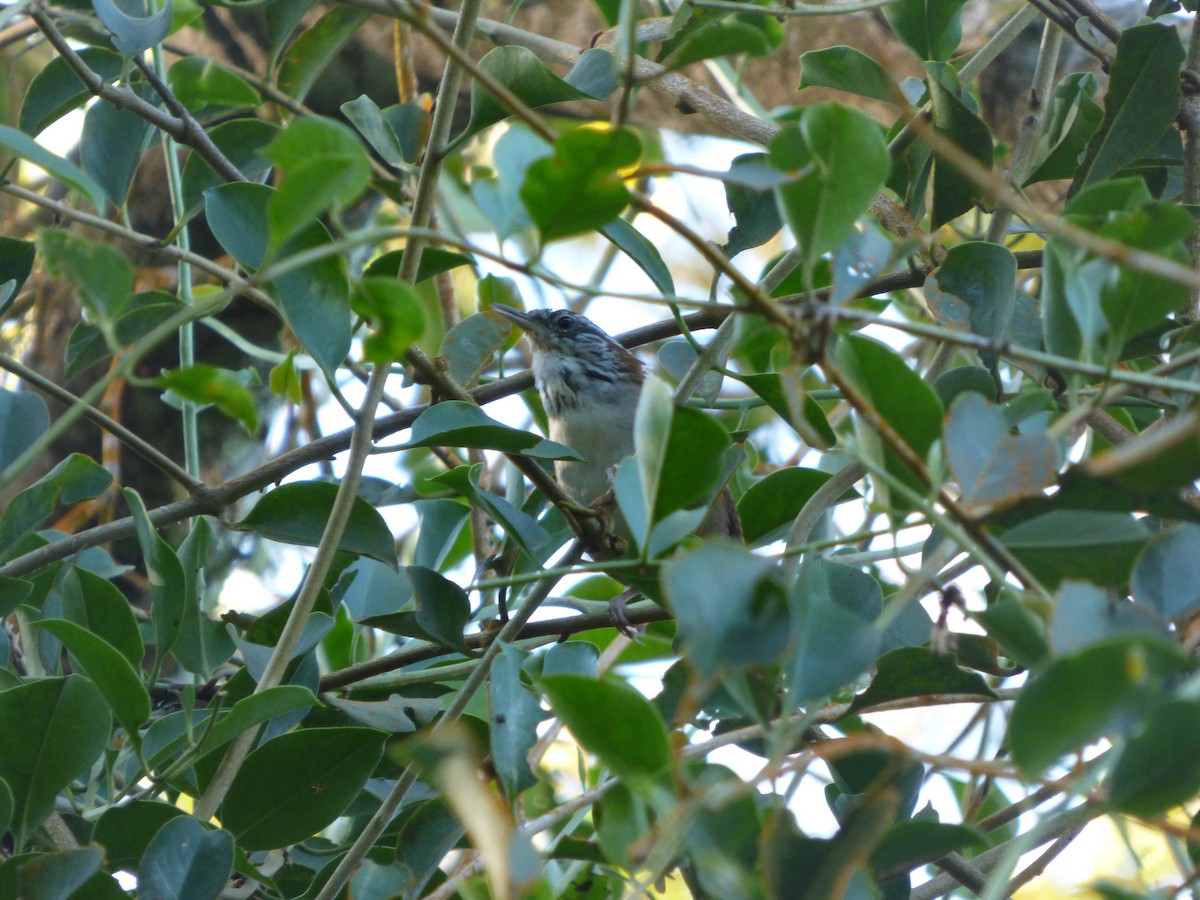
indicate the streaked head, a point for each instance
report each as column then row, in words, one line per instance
column 571, row 355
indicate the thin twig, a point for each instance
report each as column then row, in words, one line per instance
column 186, row 131
column 142, row 448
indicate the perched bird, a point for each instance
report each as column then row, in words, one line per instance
column 590, row 387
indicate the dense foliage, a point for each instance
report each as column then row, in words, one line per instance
column 950, row 379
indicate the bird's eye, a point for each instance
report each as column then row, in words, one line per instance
column 562, row 323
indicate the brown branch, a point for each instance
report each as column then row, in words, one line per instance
column 185, row 131
column 562, row 627
column 163, row 463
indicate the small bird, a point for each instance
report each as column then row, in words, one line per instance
column 590, row 385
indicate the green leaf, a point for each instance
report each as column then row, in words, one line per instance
column 16, row 262
column 315, row 48
column 1070, row 123
column 125, row 831
column 839, row 161
column 396, row 314
column 23, row 419
column 515, row 716
column 614, row 721
column 56, row 89
column 165, row 573
column 729, row 609
column 858, row 260
column 371, row 123
column 899, row 395
column 112, row 145
column 677, row 356
column 100, row 273
column 434, row 261
column 51, row 732
column 64, row 874
column 962, row 380
column 518, row 525
column 134, row 33
column 1085, row 696
column 254, row 710
column 1091, row 306
column 527, row 77
column 206, row 385
column 396, row 715
column 96, row 605
column 297, row 513
column 724, row 38
column 108, row 669
column 284, row 379
column 240, row 141
column 198, row 81
column 846, row 69
column 314, row 298
column 916, row 671
column 185, row 861
column 296, row 784
column 442, row 607
column 73, row 480
column 1067, row 544
column 22, row 145
column 6, row 805
column 580, row 188
column 982, row 277
column 147, row 311
column 994, row 467
column 324, row 166
column 785, row 392
column 953, row 192
column 203, row 643
column 1159, row 768
column 931, row 28
column 916, row 841
column 1167, row 574
column 774, row 501
column 1017, row 628
column 456, row 423
column 1085, row 614
column 753, row 208
column 470, row 346
column 832, row 642
column 1142, row 101
column 678, row 452
column 642, row 251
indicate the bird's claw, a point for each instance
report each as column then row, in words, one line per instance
column 618, row 614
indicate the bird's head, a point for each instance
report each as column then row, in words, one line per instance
column 571, row 354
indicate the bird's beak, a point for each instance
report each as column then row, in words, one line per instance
column 521, row 320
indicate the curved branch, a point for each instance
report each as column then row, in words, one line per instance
column 185, row 130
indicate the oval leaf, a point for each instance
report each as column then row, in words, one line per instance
column 293, row 786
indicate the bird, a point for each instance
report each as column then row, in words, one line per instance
column 590, row 386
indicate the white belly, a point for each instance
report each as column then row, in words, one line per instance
column 603, row 435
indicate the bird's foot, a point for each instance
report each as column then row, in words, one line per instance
column 618, row 614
